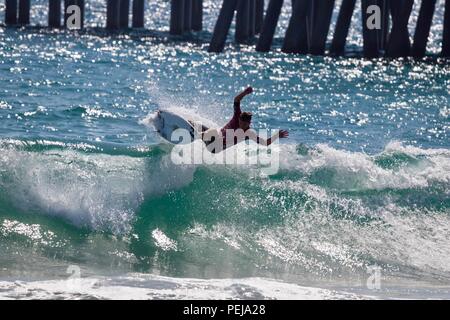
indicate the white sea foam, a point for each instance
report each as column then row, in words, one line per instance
column 98, row 191
column 356, row 170
column 147, row 287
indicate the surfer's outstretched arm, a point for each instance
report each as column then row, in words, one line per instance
column 241, row 95
column 267, row 142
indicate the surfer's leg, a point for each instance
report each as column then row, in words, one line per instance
column 209, row 135
column 213, row 140
column 199, row 129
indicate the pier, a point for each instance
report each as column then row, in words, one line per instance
column 385, row 29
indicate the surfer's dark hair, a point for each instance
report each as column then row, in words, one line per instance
column 246, row 116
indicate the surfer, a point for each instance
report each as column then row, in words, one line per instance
column 237, row 129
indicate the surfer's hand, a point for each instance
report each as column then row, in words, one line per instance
column 248, row 90
column 283, row 134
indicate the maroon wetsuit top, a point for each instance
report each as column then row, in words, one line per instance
column 233, row 124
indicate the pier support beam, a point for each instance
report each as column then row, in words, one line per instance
column 296, row 39
column 251, row 19
column 67, row 4
column 370, row 36
column 24, row 12
column 269, row 25
column 67, row 14
column 342, row 27
column 242, row 21
column 222, row 25
column 177, row 17
column 197, row 15
column 385, row 24
column 124, row 14
column 10, row 12
column 138, row 13
column 54, row 13
column 112, row 14
column 259, row 15
column 399, row 44
column 80, row 3
column 187, row 15
column 323, row 10
column 446, row 35
column 423, row 28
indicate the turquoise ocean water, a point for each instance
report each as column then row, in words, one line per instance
column 364, row 178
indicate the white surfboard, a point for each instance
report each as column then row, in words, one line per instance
column 174, row 128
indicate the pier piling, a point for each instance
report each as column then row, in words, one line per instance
column 112, row 14
column 323, row 11
column 297, row 33
column 342, row 27
column 124, row 14
column 399, row 44
column 138, row 13
column 197, row 15
column 446, row 34
column 10, row 12
column 259, row 15
column 370, row 36
column 54, row 13
column 423, row 28
column 385, row 24
column 251, row 19
column 177, row 17
column 222, row 25
column 67, row 4
column 67, row 14
column 269, row 25
column 187, row 15
column 24, row 12
column 242, row 21
column 81, row 4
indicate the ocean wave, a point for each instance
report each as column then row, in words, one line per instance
column 60, row 176
column 326, row 212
